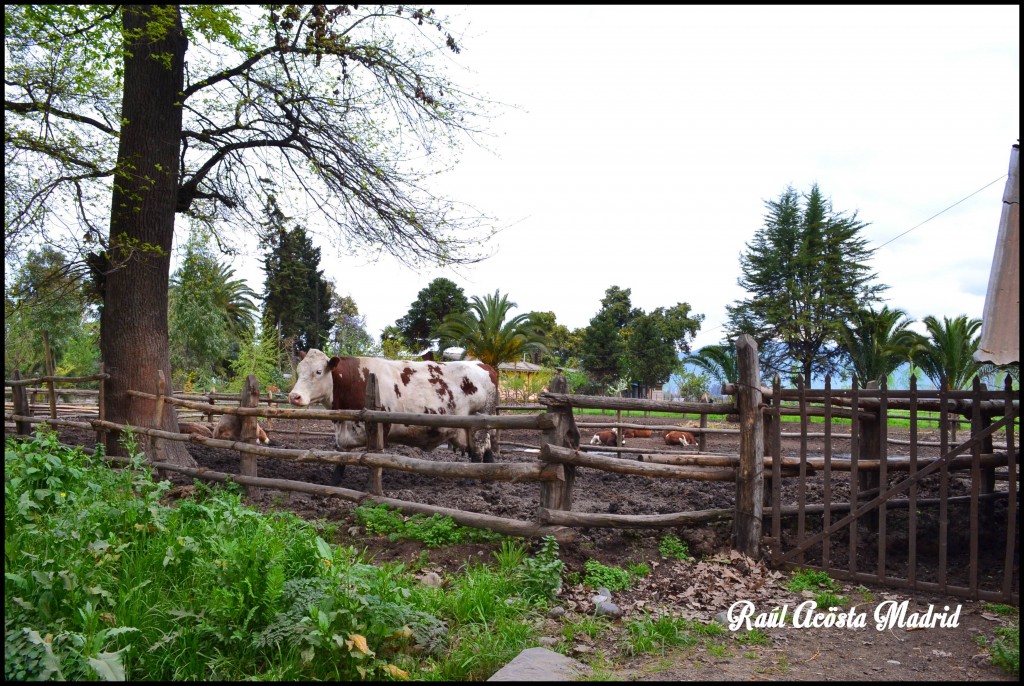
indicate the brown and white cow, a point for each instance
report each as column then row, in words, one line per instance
column 604, row 438
column 229, row 428
column 637, row 433
column 679, row 438
column 457, row 388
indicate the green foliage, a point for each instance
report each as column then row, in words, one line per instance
column 827, row 599
column 1005, row 649
column 876, row 342
column 612, row 578
column 805, row 273
column 650, row 352
column 563, row 344
column 484, row 332
column 656, row 634
column 622, row 341
column 198, row 330
column 44, row 295
column 540, row 576
column 717, row 360
column 261, row 355
column 812, row 580
column 439, row 299
column 297, row 298
column 350, row 337
column 602, row 349
column 638, row 569
column 671, row 548
column 434, row 531
column 691, row 385
column 1000, row 609
column 753, row 637
column 946, row 355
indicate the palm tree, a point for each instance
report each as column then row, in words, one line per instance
column 717, row 360
column 946, row 355
column 876, row 342
column 235, row 301
column 484, row 333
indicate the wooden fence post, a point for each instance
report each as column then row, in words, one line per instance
column 557, row 495
column 249, row 397
column 19, row 396
column 210, row 399
column 702, row 439
column 750, row 475
column 374, row 437
column 870, row 449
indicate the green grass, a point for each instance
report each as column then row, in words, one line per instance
column 105, row 581
column 812, row 580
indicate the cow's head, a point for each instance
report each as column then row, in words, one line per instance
column 313, row 383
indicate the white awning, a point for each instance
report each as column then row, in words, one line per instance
column 1000, row 323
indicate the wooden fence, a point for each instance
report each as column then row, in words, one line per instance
column 867, row 467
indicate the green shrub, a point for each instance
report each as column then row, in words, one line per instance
column 671, row 548
column 612, row 578
column 1005, row 649
column 540, row 576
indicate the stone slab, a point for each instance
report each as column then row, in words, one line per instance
column 541, row 664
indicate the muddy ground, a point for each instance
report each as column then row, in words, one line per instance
column 690, row 589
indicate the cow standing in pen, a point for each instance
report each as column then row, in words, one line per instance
column 454, row 388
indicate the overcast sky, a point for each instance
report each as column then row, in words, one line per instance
column 644, row 142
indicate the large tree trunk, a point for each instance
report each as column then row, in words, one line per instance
column 133, row 325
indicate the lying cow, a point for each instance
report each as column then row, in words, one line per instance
column 679, row 438
column 195, row 428
column 229, row 428
column 604, row 438
column 454, row 388
column 637, row 433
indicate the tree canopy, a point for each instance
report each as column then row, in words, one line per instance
column 877, row 342
column 805, row 272
column 946, row 354
column 128, row 115
column 486, row 333
column 297, row 298
column 433, row 303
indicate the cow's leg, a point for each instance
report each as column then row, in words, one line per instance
column 488, row 445
column 337, row 474
column 469, row 438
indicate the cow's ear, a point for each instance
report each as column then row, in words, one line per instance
column 302, row 354
column 333, row 362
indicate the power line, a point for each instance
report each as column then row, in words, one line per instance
column 940, row 212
